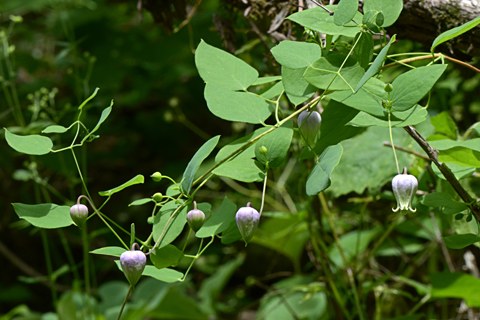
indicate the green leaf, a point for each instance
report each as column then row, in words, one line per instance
column 244, row 170
column 298, row 90
column 175, row 224
column 45, row 215
column 248, row 153
column 264, row 80
column 235, row 105
column 103, row 117
column 456, row 285
column 167, row 256
column 196, row 161
column 319, row 178
column 444, row 124
column 390, row 9
column 323, row 73
column 364, row 49
column 177, row 304
column 286, row 235
column 376, row 65
column 231, row 234
column 296, row 54
column 164, row 275
column 458, row 171
column 411, row 86
column 301, row 296
column 220, row 68
column 219, row 221
column 135, row 180
column 32, row 144
column 399, row 119
column 455, row 32
column 139, row 202
column 368, row 99
column 55, row 129
column 353, row 244
column 445, row 201
column 224, row 74
column 110, row 251
column 211, row 287
column 88, row 99
column 365, row 162
column 321, row 21
column 272, row 91
column 335, row 116
column 277, row 143
column 459, row 241
column 345, row 12
column 463, row 153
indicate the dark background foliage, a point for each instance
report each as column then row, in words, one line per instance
column 144, row 61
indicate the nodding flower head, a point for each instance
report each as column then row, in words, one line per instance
column 404, row 188
column 309, row 124
column 247, row 221
column 133, row 263
column 195, row 218
column 79, row 214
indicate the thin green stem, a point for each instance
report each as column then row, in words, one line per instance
column 263, row 192
column 351, row 277
column 199, row 253
column 391, row 141
column 101, row 218
column 251, row 142
column 86, row 266
column 48, row 261
column 69, row 254
column 165, row 228
column 124, row 302
column 384, row 236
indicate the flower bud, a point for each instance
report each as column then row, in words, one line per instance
column 157, row 176
column 157, row 197
column 133, row 263
column 247, row 221
column 263, row 150
column 79, row 214
column 388, row 87
column 309, row 124
column 195, row 218
column 404, row 188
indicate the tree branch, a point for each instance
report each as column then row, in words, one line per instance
column 447, row 173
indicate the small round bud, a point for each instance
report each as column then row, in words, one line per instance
column 247, row 221
column 309, row 124
column 404, row 188
column 195, row 218
column 79, row 214
column 263, row 150
column 133, row 263
column 388, row 87
column 157, row 197
column 157, row 176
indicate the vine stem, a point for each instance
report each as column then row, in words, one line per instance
column 350, row 274
column 391, row 141
column 447, row 173
column 380, row 241
column 125, row 302
column 429, row 56
column 101, row 218
column 263, row 192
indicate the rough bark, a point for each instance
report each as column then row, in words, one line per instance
column 423, row 20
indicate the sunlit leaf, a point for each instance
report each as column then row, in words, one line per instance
column 32, row 144
column 135, row 180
